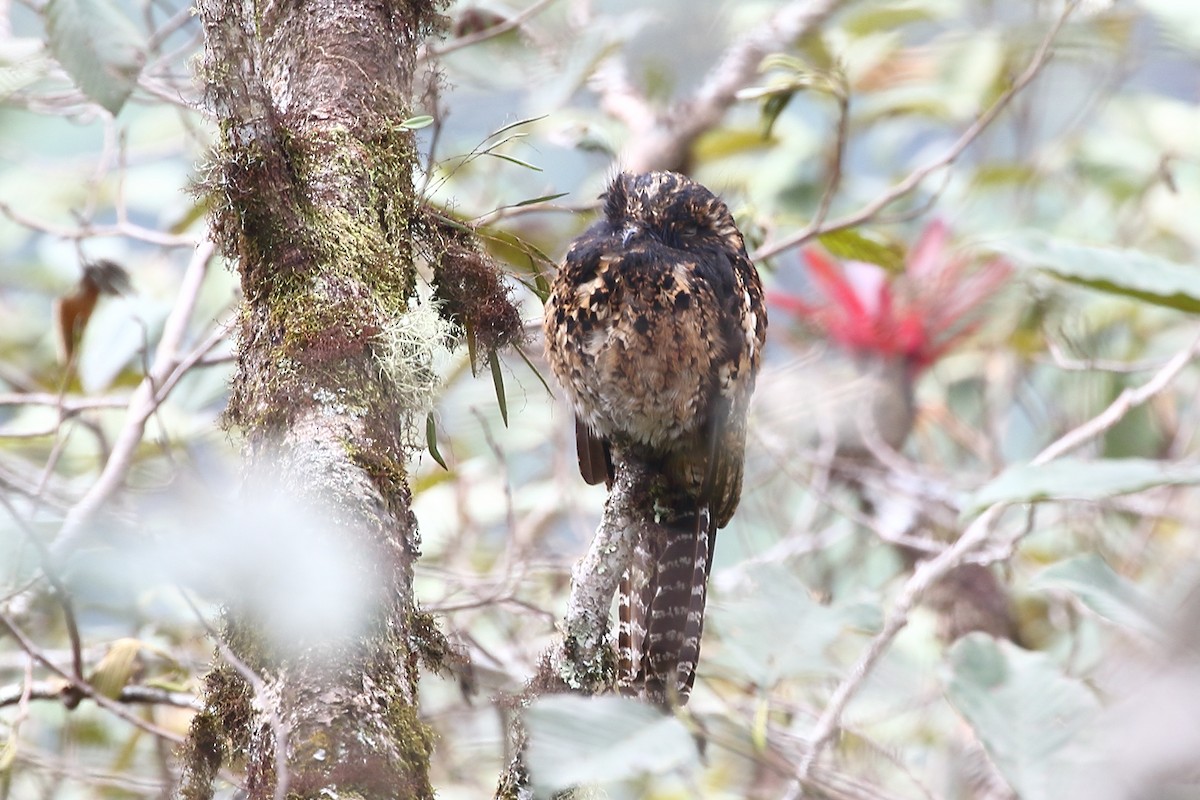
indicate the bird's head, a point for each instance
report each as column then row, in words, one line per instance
column 672, row 208
column 916, row 315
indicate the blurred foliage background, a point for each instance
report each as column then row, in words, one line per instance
column 1087, row 184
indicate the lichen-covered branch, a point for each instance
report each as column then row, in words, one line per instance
column 582, row 659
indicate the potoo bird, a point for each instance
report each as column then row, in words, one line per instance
column 655, row 327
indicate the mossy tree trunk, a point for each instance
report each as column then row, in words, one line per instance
column 310, row 186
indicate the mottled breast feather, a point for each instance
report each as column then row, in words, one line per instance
column 655, row 328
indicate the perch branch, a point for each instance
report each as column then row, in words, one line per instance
column 574, row 660
column 580, row 660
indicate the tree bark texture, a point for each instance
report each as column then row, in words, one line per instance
column 310, row 190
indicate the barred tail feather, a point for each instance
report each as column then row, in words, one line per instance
column 636, row 595
column 662, row 609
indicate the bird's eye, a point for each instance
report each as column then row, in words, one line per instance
column 688, row 229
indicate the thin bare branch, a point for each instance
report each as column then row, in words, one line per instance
column 83, row 687
column 915, row 178
column 143, row 695
column 60, row 593
column 142, row 404
column 510, row 24
column 89, row 231
column 1125, row 402
column 69, row 406
column 976, row 535
column 662, row 140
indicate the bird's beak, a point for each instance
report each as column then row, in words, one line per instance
column 630, row 230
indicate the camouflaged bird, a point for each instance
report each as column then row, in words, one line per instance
column 655, row 327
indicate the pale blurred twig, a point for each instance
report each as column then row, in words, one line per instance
column 976, row 534
column 915, row 178
column 662, row 140
column 142, row 404
column 83, row 687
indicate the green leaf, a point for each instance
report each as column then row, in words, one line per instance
column 516, row 124
column 576, row 741
column 469, row 333
column 498, row 382
column 541, row 286
column 729, row 142
column 546, row 198
column 516, row 161
column 1093, row 581
column 1076, row 479
column 431, row 441
column 534, row 369
column 887, row 18
column 1130, row 273
column 852, row 245
column 98, row 46
column 1024, row 710
column 417, row 122
column 772, row 106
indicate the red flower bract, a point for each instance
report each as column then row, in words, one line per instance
column 919, row 314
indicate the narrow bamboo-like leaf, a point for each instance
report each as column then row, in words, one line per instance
column 516, row 124
column 469, row 334
column 98, row 46
column 417, row 122
column 1077, row 479
column 1131, row 273
column 508, row 247
column 516, row 161
column 772, row 106
column 450, row 222
column 528, row 363
column 500, row 143
column 546, row 198
column 431, row 441
column 541, row 287
column 498, row 382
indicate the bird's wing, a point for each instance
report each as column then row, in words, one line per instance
column 595, row 460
